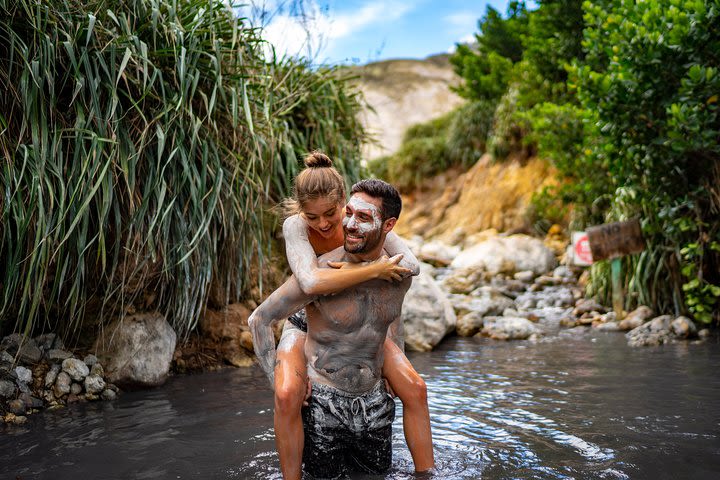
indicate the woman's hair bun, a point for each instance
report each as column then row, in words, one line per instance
column 318, row 159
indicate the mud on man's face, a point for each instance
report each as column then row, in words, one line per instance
column 363, row 224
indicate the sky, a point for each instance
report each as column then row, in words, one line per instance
column 362, row 31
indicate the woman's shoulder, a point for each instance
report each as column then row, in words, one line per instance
column 293, row 223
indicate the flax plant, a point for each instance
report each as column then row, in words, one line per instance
column 141, row 141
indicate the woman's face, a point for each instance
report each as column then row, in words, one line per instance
column 323, row 215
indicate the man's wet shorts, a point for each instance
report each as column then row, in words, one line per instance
column 345, row 431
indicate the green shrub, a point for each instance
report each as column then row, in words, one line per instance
column 141, row 141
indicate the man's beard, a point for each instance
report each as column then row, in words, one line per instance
column 369, row 241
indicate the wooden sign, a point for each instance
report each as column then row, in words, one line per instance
column 613, row 240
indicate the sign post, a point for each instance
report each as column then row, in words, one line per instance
column 613, row 241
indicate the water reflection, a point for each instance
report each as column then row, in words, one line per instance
column 572, row 407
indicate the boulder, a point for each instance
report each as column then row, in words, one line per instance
column 587, row 305
column 509, row 255
column 469, row 324
column 683, row 327
column 427, row 314
column 437, row 253
column 76, row 368
column 137, row 350
column 654, row 332
column 94, row 384
column 636, row 318
column 509, row 328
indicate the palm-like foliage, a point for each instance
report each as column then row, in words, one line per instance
column 140, row 141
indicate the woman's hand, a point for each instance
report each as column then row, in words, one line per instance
column 384, row 268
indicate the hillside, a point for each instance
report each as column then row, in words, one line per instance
column 402, row 93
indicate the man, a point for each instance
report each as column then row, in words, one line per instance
column 348, row 421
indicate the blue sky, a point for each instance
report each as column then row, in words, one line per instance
column 361, row 31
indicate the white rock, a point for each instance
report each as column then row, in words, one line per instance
column 511, row 254
column 76, row 368
column 427, row 314
column 137, row 350
column 94, row 384
column 509, row 328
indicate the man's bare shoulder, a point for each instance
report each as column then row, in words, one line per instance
column 336, row 255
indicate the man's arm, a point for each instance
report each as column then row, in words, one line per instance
column 284, row 301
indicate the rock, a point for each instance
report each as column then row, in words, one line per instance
column 98, row 370
column 464, row 280
column 23, row 375
column 108, row 395
column 635, row 318
column 16, row 406
column 19, row 419
column 608, row 327
column 545, row 280
column 246, row 341
column 7, row 389
column 58, row 355
column 6, row 360
column 427, row 314
column 704, row 333
column 437, row 253
column 509, row 328
column 568, row 321
column 137, row 350
column 62, row 384
column 683, row 327
column 12, row 343
column 76, row 388
column 29, row 352
column 469, row 324
column 46, row 341
column 226, row 324
column 654, row 332
column 236, row 356
column 510, row 254
column 485, row 301
column 30, row 401
column 76, row 368
column 94, row 384
column 51, row 375
column 564, row 272
column 525, row 276
column 586, row 305
column 90, row 360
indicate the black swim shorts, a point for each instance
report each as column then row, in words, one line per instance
column 299, row 319
column 345, row 431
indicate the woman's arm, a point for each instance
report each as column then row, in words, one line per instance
column 284, row 301
column 394, row 245
column 314, row 280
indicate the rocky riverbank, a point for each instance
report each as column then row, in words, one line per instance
column 37, row 373
column 513, row 287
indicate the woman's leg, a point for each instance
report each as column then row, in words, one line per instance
column 290, row 391
column 411, row 389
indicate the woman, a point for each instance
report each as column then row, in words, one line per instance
column 314, row 228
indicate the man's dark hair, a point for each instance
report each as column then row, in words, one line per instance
column 391, row 202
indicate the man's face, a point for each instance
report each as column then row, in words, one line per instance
column 362, row 223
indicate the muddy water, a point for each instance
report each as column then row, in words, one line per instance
column 583, row 406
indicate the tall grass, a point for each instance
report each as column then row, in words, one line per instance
column 141, row 141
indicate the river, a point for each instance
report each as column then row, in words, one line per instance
column 583, row 406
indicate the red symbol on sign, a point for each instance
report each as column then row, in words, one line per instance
column 582, row 249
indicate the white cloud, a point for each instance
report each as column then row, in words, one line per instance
column 319, row 27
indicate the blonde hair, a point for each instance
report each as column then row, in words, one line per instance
column 319, row 179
